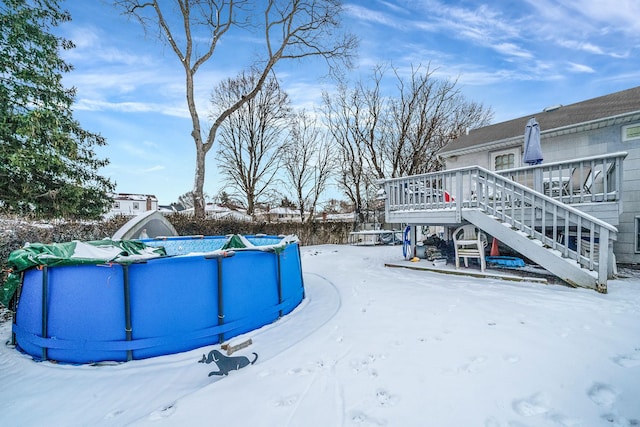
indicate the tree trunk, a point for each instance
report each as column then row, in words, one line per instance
column 198, row 185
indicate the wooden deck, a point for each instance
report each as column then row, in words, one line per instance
column 562, row 219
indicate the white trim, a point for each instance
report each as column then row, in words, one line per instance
column 516, row 157
column 636, row 132
column 636, row 246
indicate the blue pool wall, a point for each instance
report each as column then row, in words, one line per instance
column 118, row 312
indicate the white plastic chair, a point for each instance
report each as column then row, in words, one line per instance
column 469, row 242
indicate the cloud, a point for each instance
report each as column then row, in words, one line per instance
column 134, row 150
column 155, row 168
column 150, row 144
column 591, row 26
column 90, row 49
column 621, row 16
column 482, row 26
column 305, row 94
column 580, row 68
column 131, row 107
column 582, row 46
column 394, row 7
column 510, row 49
column 372, row 16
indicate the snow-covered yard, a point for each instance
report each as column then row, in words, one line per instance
column 373, row 346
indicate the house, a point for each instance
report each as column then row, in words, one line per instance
column 581, row 204
column 284, row 214
column 336, row 217
column 215, row 211
column 279, row 214
column 132, row 204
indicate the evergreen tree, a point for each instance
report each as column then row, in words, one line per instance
column 48, row 167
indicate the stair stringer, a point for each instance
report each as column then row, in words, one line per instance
column 566, row 269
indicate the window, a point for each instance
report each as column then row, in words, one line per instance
column 638, row 234
column 505, row 159
column 136, row 206
column 630, row 132
column 116, row 205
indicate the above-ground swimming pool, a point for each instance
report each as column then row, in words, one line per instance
column 204, row 291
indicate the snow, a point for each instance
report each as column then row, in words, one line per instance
column 373, row 346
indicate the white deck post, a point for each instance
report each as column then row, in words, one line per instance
column 537, row 180
column 603, row 259
column 413, row 235
column 459, row 196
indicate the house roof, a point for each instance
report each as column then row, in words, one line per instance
column 554, row 119
column 134, row 197
column 281, row 210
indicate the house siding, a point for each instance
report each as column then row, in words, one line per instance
column 473, row 159
column 625, row 246
column 598, row 142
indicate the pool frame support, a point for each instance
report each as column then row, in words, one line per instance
column 218, row 258
column 14, row 309
column 45, row 311
column 127, row 309
column 279, row 283
column 220, row 300
column 301, row 275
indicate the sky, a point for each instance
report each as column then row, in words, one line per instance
column 372, row 346
column 515, row 57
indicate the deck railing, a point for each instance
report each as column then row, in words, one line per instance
column 539, row 216
column 583, row 180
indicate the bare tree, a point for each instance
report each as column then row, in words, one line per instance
column 371, row 122
column 251, row 137
column 308, row 162
column 345, row 116
column 293, row 29
column 398, row 134
column 186, row 200
column 425, row 116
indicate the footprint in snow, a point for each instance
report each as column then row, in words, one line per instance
column 264, row 373
column 113, row 414
column 286, row 401
column 617, row 420
column 491, row 422
column 386, row 399
column 628, row 360
column 358, row 417
column 165, row 412
column 511, row 358
column 602, row 395
column 531, row 406
column 298, row 371
column 358, row 365
column 473, row 365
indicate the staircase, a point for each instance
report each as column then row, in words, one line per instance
column 574, row 245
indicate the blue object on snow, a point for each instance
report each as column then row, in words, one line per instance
column 505, row 261
column 406, row 241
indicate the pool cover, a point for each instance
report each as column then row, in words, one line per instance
column 72, row 253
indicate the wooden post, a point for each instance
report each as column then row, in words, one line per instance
column 603, row 260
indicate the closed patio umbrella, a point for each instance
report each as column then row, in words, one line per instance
column 532, row 150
